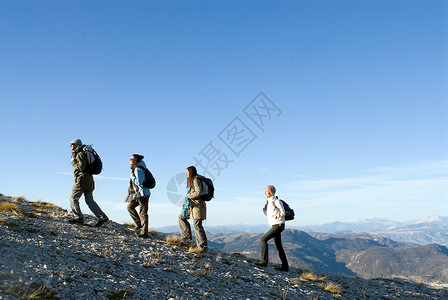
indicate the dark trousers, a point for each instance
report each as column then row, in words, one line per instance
column 141, row 219
column 276, row 233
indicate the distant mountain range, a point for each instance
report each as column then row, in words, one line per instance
column 365, row 255
column 431, row 230
column 367, row 248
column 221, row 229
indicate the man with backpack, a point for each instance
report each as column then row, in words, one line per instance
column 84, row 184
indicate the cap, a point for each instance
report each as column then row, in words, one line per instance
column 272, row 189
column 76, row 142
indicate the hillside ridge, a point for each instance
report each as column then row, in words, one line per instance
column 44, row 257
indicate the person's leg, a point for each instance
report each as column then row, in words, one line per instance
column 94, row 207
column 144, row 219
column 279, row 246
column 199, row 232
column 264, row 259
column 133, row 212
column 185, row 229
column 74, row 204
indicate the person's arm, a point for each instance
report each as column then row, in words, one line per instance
column 80, row 162
column 138, row 176
column 280, row 208
column 196, row 191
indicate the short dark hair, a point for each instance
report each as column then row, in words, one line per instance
column 138, row 157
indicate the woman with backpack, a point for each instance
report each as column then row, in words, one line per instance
column 138, row 195
column 194, row 207
column 276, row 219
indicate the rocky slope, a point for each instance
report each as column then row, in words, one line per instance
column 42, row 256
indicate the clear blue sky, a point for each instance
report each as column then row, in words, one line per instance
column 360, row 87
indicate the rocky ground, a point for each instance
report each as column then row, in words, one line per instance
column 42, row 256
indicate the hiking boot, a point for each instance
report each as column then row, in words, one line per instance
column 139, row 232
column 76, row 221
column 143, row 235
column 197, row 250
column 282, row 268
column 187, row 243
column 102, row 221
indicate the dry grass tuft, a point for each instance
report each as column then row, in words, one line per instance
column 11, row 208
column 331, row 287
column 175, row 240
column 321, row 279
column 120, row 294
column 157, row 258
column 128, row 224
column 294, row 281
column 5, row 222
column 199, row 273
column 32, row 291
column 147, row 265
column 20, row 199
column 40, row 206
column 309, row 276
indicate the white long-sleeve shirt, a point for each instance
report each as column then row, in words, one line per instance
column 275, row 211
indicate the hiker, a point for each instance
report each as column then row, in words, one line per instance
column 276, row 219
column 84, row 184
column 138, row 196
column 196, row 209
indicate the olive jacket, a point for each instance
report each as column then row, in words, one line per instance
column 83, row 181
column 198, row 210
